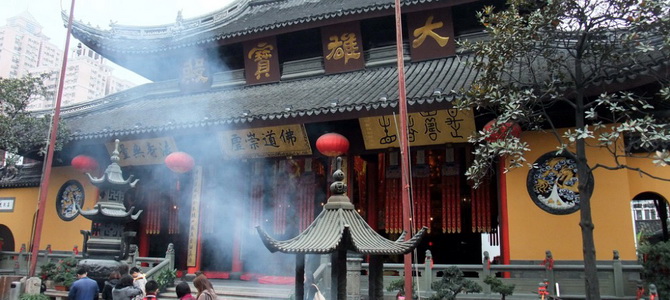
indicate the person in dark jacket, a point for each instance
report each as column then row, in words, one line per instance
column 110, row 283
column 124, row 290
column 84, row 288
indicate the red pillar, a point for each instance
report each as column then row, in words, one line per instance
column 143, row 243
column 237, row 262
column 504, row 217
column 372, row 186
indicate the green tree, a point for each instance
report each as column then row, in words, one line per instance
column 452, row 283
column 21, row 131
column 499, row 287
column 656, row 262
column 548, row 60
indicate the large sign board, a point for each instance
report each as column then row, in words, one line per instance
column 285, row 140
column 144, row 151
column 424, row 128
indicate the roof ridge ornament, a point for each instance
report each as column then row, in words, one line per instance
column 113, row 176
column 338, row 189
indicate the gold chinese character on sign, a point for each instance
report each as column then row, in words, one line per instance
column 194, row 71
column 427, row 30
column 345, row 46
column 261, row 54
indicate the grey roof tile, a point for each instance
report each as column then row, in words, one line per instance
column 149, row 109
column 238, row 19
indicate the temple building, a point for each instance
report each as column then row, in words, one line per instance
column 246, row 92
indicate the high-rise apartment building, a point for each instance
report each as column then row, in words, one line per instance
column 24, row 50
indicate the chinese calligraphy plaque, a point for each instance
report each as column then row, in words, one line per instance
column 342, row 48
column 195, row 75
column 431, row 34
column 261, row 61
column 194, row 220
column 424, row 128
column 144, row 152
column 266, row 142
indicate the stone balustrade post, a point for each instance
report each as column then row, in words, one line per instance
column 428, row 271
column 550, row 278
column 21, row 257
column 47, row 254
column 618, row 274
column 486, row 271
column 169, row 255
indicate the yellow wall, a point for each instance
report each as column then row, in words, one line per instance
column 20, row 220
column 641, row 183
column 60, row 234
column 532, row 230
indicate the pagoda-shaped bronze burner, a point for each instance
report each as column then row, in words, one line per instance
column 109, row 215
column 338, row 229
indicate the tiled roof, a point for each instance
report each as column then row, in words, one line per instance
column 331, row 227
column 238, row 19
column 29, row 175
column 158, row 107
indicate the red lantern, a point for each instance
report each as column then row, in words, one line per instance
column 179, row 162
column 508, row 128
column 332, row 144
column 84, row 163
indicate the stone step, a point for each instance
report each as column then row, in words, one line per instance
column 233, row 290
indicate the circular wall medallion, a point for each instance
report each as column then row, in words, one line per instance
column 71, row 192
column 553, row 184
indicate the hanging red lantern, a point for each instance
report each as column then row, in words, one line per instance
column 332, row 144
column 508, row 128
column 84, row 163
column 179, row 162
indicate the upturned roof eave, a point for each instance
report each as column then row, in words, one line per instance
column 171, row 37
column 322, row 237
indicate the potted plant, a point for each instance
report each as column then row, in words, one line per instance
column 66, row 273
column 166, row 279
column 47, row 273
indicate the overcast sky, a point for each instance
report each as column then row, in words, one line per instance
column 101, row 12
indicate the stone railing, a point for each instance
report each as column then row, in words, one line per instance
column 564, row 279
column 18, row 263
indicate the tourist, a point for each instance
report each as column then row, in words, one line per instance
column 110, row 283
column 84, row 288
column 138, row 279
column 125, row 290
column 152, row 289
column 184, row 291
column 205, row 288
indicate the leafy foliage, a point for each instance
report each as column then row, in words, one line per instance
column 452, row 283
column 540, row 59
column 48, row 271
column 166, row 278
column 27, row 296
column 656, row 263
column 498, row 286
column 399, row 285
column 66, row 272
column 551, row 64
column 22, row 131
